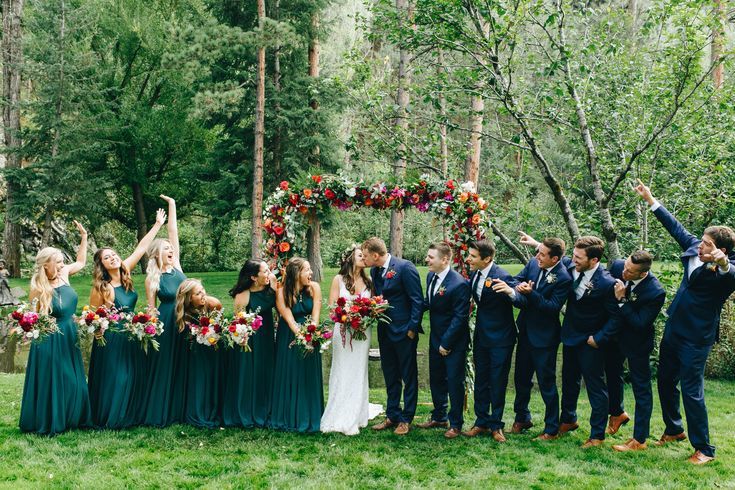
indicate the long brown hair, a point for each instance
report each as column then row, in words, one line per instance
column 184, row 307
column 291, row 281
column 101, row 277
column 347, row 270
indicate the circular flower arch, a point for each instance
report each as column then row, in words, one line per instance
column 289, row 210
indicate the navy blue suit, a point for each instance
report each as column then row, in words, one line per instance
column 495, row 335
column 449, row 316
column 401, row 287
column 594, row 314
column 635, row 342
column 538, row 340
column 691, row 329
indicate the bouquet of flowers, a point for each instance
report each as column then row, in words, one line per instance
column 29, row 326
column 358, row 315
column 96, row 321
column 144, row 328
column 207, row 328
column 312, row 337
column 241, row 328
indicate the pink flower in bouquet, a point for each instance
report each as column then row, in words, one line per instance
column 150, row 330
column 257, row 322
column 327, row 335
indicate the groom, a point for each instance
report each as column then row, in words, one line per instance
column 398, row 281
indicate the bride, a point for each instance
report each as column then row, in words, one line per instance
column 348, row 408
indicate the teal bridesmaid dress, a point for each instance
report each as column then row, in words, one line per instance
column 298, row 396
column 55, row 396
column 249, row 375
column 165, row 391
column 204, row 387
column 116, row 374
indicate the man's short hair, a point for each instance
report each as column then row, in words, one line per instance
column 642, row 259
column 442, row 248
column 556, row 246
column 594, row 247
column 723, row 236
column 375, row 245
column 485, row 247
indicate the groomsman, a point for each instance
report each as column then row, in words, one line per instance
column 448, row 302
column 495, row 335
column 591, row 320
column 398, row 281
column 640, row 298
column 543, row 290
column 692, row 326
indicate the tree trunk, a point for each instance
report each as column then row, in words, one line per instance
column 139, row 204
column 257, row 199
column 718, row 42
column 313, row 248
column 278, row 137
column 404, row 9
column 12, row 59
column 313, row 235
column 443, row 150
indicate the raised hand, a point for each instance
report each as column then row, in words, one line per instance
column 526, row 239
column 619, row 289
column 717, row 256
column 169, row 200
column 525, row 287
column 644, row 191
column 81, row 229
column 160, row 216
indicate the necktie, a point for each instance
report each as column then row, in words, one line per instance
column 628, row 289
column 544, row 273
column 478, row 276
column 432, row 286
column 576, row 284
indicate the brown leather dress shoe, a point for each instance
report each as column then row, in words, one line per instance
column 592, row 443
column 547, row 437
column 568, row 427
column 700, row 458
column 402, row 429
column 519, row 427
column 498, row 435
column 475, row 431
column 630, row 445
column 452, row 433
column 385, row 424
column 616, row 421
column 432, row 424
column 666, row 438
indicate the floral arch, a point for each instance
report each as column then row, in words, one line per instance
column 289, row 210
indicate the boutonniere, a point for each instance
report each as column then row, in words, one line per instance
column 551, row 279
column 712, row 267
column 390, row 274
column 488, row 283
column 589, row 287
column 633, row 297
column 442, row 290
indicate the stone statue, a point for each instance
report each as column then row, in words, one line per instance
column 6, row 295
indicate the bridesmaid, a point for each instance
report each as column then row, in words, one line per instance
column 55, row 396
column 249, row 385
column 166, row 379
column 116, row 370
column 298, row 396
column 204, row 387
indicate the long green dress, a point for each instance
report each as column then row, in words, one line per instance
column 165, row 392
column 55, row 396
column 204, row 387
column 116, row 373
column 298, row 396
column 249, row 375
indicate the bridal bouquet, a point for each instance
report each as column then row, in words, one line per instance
column 241, row 328
column 96, row 321
column 358, row 315
column 29, row 326
column 207, row 329
column 312, row 337
column 144, row 328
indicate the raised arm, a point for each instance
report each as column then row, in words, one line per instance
column 143, row 244
column 173, row 230
column 74, row 267
column 677, row 231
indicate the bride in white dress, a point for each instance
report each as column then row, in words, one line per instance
column 348, row 408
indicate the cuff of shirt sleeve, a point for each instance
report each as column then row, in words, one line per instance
column 724, row 270
column 655, row 205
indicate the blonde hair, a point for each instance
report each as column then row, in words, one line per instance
column 39, row 280
column 155, row 262
column 183, row 301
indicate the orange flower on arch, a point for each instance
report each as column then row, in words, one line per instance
column 307, row 193
column 476, row 219
column 284, row 247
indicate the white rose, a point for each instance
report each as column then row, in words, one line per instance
column 352, row 192
column 468, row 186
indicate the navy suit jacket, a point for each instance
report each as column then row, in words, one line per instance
column 639, row 313
column 694, row 314
column 449, row 312
column 595, row 313
column 539, row 315
column 494, row 326
column 403, row 293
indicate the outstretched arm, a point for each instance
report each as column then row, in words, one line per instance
column 143, row 244
column 81, row 261
column 677, row 231
column 173, row 230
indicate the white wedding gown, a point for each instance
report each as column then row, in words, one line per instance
column 348, row 408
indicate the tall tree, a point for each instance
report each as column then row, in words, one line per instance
column 257, row 200
column 313, row 235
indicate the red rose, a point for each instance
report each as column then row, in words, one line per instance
column 307, row 337
column 145, row 318
column 217, row 328
column 450, row 184
column 17, row 315
column 284, row 185
column 136, row 318
column 278, row 230
column 329, row 194
column 341, row 302
column 316, row 178
column 101, row 312
column 355, row 322
column 204, row 321
column 233, row 328
column 293, row 199
column 204, row 330
column 311, row 328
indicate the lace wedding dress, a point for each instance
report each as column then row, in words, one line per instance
column 348, row 408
